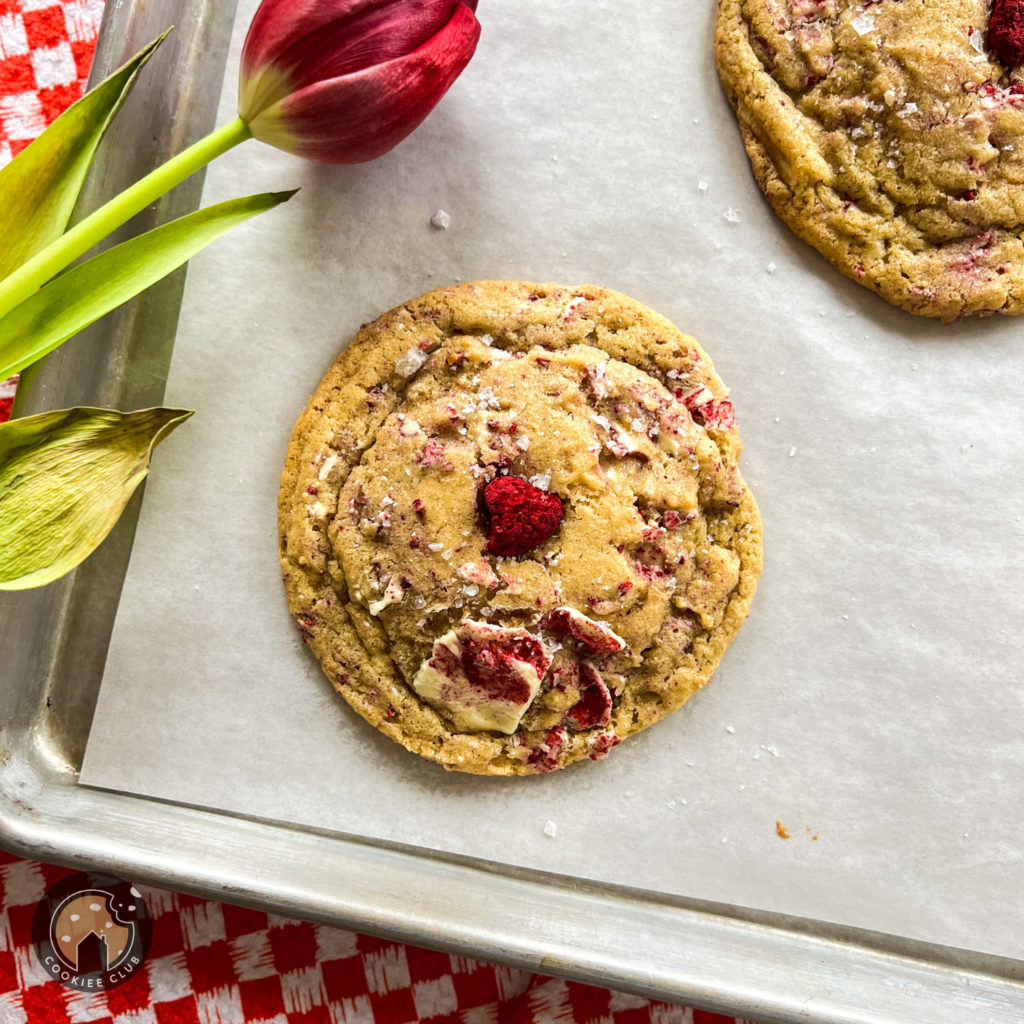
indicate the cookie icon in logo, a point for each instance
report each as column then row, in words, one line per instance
column 92, row 932
column 89, row 913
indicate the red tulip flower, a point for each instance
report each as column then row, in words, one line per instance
column 343, row 81
column 339, row 81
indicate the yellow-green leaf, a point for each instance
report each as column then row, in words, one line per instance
column 40, row 186
column 76, row 298
column 65, row 478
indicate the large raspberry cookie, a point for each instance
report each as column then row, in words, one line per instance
column 512, row 525
column 890, row 135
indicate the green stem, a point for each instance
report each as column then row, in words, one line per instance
column 48, row 262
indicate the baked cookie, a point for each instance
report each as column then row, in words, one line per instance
column 512, row 526
column 890, row 135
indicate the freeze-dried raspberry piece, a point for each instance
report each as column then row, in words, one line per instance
column 595, row 704
column 602, row 745
column 545, row 757
column 495, row 666
column 718, row 415
column 595, row 636
column 434, row 456
column 521, row 516
column 1006, row 32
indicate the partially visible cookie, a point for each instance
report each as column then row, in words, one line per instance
column 890, row 135
column 512, row 525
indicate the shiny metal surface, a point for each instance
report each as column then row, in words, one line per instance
column 762, row 966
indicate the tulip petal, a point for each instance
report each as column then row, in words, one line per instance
column 360, row 116
column 382, row 34
column 356, row 36
column 280, row 24
column 65, row 478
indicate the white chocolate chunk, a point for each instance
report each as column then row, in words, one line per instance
column 505, row 683
column 393, row 593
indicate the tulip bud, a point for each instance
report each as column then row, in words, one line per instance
column 344, row 81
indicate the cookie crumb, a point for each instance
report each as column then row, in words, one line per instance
column 550, row 829
column 441, row 220
column 781, row 831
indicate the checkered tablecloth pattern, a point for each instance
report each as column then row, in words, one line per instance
column 213, row 963
column 45, row 52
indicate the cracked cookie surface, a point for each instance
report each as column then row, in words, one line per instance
column 888, row 135
column 512, row 524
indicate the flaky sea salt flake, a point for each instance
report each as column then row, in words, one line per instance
column 732, row 215
column 863, row 23
column 550, row 829
column 409, row 362
column 441, row 219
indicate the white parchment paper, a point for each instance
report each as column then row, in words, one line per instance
column 872, row 703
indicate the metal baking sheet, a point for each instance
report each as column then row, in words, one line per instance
column 759, row 964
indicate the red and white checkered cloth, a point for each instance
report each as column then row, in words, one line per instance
column 45, row 52
column 212, row 963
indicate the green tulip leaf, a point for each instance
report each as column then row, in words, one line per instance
column 72, row 301
column 40, row 186
column 65, row 478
